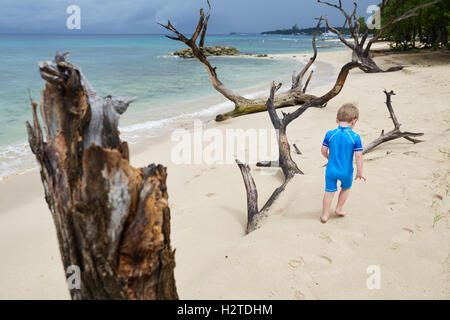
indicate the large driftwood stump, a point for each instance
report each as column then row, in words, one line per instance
column 112, row 220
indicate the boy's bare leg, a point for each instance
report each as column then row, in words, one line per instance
column 327, row 199
column 343, row 195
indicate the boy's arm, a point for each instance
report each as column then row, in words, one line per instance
column 326, row 141
column 359, row 166
column 324, row 152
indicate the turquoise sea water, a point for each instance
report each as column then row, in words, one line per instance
column 129, row 65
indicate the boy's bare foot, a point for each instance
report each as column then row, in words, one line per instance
column 324, row 219
column 340, row 213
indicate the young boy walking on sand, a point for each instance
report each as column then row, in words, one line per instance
column 338, row 147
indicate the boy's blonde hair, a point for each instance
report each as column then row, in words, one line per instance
column 348, row 112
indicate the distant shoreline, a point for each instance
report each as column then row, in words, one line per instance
column 295, row 30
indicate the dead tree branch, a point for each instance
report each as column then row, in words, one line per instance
column 198, row 54
column 112, row 220
column 368, row 65
column 205, row 27
column 307, row 81
column 242, row 106
column 297, row 84
column 297, row 150
column 289, row 167
column 394, row 133
column 319, row 102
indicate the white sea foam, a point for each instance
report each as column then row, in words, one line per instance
column 168, row 56
column 154, row 128
column 17, row 158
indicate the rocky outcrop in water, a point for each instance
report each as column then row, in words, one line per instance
column 209, row 51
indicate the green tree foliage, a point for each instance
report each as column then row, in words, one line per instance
column 363, row 26
column 429, row 28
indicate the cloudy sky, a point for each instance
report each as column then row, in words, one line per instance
column 140, row 16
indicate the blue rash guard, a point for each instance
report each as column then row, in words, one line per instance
column 342, row 143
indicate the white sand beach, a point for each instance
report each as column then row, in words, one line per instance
column 399, row 220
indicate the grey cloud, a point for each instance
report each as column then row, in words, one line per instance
column 141, row 16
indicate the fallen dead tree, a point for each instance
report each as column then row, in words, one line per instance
column 242, row 106
column 112, row 220
column 362, row 53
column 394, row 133
column 255, row 216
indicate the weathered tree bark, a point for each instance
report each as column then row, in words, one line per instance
column 256, row 217
column 112, row 220
column 288, row 166
column 286, row 163
column 394, row 133
column 362, row 53
column 318, row 102
column 243, row 106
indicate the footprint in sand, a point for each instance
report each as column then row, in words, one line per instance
column 325, row 237
column 438, row 196
column 299, row 295
column 295, row 263
column 279, row 211
column 327, row 259
column 403, row 236
column 408, row 71
column 208, row 195
column 447, row 267
column 354, row 243
column 195, row 177
column 272, row 293
column 408, row 230
column 394, row 207
column 373, row 159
